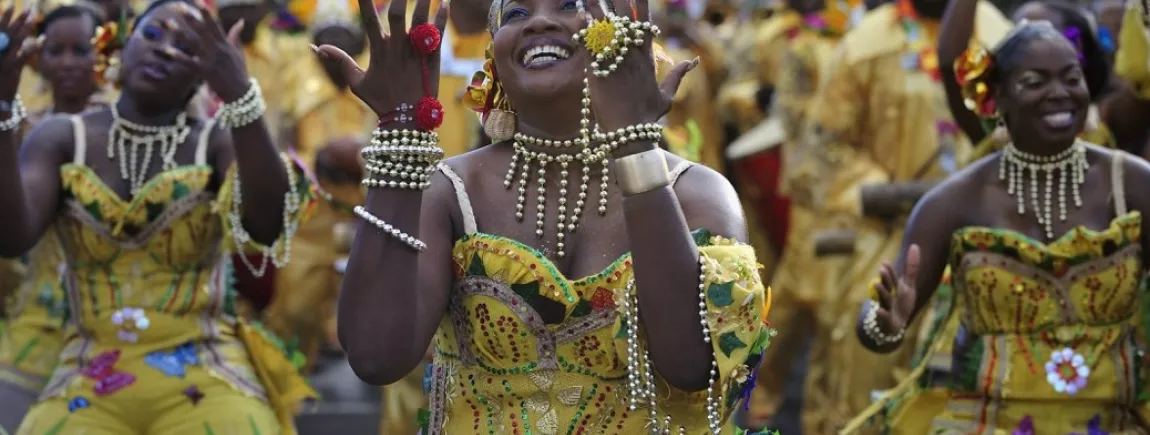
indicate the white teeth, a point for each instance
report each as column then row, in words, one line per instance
column 1059, row 120
column 544, row 53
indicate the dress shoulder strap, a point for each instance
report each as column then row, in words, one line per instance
column 79, row 140
column 678, row 170
column 1117, row 188
column 203, row 140
column 469, row 226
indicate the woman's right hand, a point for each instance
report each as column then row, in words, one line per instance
column 395, row 72
column 14, row 56
column 896, row 295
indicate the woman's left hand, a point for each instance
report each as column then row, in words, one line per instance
column 631, row 94
column 218, row 56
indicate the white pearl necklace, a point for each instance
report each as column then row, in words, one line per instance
column 1070, row 163
column 125, row 134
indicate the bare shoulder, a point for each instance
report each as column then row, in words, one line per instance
column 54, row 134
column 709, row 200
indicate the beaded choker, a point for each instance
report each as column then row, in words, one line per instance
column 125, row 135
column 1069, row 164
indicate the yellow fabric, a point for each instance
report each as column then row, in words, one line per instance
column 693, row 130
column 169, row 412
column 323, row 112
column 307, row 289
column 401, row 404
column 1021, row 302
column 499, row 367
column 271, row 59
column 460, row 130
column 32, row 339
column 753, row 63
column 158, row 253
column 874, row 120
column 1132, row 61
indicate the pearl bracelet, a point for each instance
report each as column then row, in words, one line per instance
column 403, row 159
column 874, row 332
column 246, row 110
column 18, row 113
column 407, row 239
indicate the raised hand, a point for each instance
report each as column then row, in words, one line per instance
column 897, row 294
column 218, row 56
column 15, row 28
column 395, row 73
column 631, row 94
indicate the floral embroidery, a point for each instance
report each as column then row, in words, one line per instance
column 77, row 403
column 108, row 380
column 173, row 362
column 131, row 321
column 1067, row 371
column 194, row 394
column 1025, row 427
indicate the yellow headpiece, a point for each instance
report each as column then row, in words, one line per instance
column 323, row 14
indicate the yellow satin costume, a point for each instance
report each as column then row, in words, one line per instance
column 737, row 100
column 500, row 370
column 271, row 59
column 880, row 117
column 1032, row 319
column 152, row 345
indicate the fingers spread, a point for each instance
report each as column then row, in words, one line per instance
column 396, row 18
column 441, row 17
column 422, row 11
column 913, row 258
column 642, row 10
column 674, row 78
column 369, row 17
column 6, row 18
column 234, row 33
column 334, row 57
column 189, row 61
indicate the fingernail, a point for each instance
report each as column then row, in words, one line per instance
column 240, row 23
column 695, row 62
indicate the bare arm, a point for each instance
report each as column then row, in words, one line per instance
column 393, row 297
column 666, row 260
column 262, row 175
column 954, row 36
column 931, row 224
column 31, row 177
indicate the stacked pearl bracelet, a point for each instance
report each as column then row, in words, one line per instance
column 401, row 159
column 18, row 113
column 874, row 332
column 407, row 239
column 630, row 133
column 245, row 110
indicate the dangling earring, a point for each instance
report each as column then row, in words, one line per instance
column 500, row 125
column 1000, row 134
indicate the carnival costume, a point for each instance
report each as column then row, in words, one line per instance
column 152, row 341
column 1035, row 349
column 498, row 367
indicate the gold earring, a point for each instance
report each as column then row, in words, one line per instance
column 500, row 125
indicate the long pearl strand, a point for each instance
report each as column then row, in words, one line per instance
column 125, row 134
column 1070, row 163
column 587, row 155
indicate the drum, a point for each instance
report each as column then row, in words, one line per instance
column 757, row 159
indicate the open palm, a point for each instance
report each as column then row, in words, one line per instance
column 395, row 73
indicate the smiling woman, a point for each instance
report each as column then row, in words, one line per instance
column 1057, row 222
column 531, row 295
column 141, row 196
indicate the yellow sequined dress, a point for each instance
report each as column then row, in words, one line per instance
column 32, row 339
column 152, row 345
column 499, row 369
column 1051, row 336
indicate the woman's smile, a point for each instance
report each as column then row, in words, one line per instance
column 541, row 53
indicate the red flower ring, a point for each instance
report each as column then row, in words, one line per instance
column 428, row 114
column 425, row 37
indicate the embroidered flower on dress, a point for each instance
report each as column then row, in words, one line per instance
column 194, row 394
column 77, row 403
column 1025, row 427
column 130, row 320
column 1067, row 371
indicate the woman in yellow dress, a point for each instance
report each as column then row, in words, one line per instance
column 70, row 44
column 519, row 346
column 1075, row 27
column 1049, row 279
column 141, row 197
